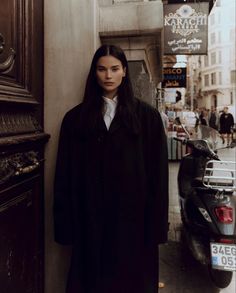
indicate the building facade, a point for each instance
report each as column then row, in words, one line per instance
column 212, row 77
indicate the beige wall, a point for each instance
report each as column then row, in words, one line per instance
column 70, row 40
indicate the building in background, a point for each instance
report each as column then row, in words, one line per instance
column 212, row 77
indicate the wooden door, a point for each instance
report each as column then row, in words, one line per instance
column 22, row 143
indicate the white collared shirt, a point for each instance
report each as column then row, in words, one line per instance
column 109, row 110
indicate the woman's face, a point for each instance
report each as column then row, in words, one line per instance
column 109, row 72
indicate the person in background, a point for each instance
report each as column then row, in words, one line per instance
column 213, row 118
column 226, row 125
column 204, row 117
column 197, row 118
column 165, row 120
column 111, row 184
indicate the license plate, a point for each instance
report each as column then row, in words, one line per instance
column 223, row 256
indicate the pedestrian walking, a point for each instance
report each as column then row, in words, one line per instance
column 111, row 184
column 226, row 125
column 197, row 118
column 213, row 118
column 204, row 117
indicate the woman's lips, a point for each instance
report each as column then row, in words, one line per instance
column 108, row 83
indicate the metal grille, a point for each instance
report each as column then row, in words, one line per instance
column 220, row 175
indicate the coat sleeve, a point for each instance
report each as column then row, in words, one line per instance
column 232, row 120
column 158, row 179
column 62, row 206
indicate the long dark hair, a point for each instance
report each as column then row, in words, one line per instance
column 93, row 101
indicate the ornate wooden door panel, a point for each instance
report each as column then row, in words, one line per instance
column 22, row 143
column 20, row 265
column 21, row 47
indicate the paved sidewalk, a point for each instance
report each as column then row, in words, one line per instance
column 178, row 270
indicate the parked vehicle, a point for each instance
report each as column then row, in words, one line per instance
column 207, row 197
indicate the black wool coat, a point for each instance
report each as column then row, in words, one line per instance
column 226, row 122
column 111, row 202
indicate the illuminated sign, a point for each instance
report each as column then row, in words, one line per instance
column 174, row 77
column 185, row 28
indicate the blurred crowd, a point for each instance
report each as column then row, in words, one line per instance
column 223, row 121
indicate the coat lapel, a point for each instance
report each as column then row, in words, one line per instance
column 115, row 124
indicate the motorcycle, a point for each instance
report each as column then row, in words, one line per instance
column 207, row 198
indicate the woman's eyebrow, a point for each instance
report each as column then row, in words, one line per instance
column 113, row 66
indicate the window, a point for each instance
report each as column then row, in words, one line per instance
column 206, row 80
column 219, row 37
column 219, row 18
column 232, row 53
column 220, row 77
column 213, row 78
column 212, row 19
column 206, row 63
column 220, row 59
column 232, row 34
column 233, row 76
column 213, row 38
column 213, row 58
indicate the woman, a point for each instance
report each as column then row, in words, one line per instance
column 111, row 184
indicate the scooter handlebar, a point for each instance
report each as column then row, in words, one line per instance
column 185, row 141
column 199, row 147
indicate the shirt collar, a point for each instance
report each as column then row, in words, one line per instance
column 111, row 101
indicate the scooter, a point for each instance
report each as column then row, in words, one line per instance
column 207, row 197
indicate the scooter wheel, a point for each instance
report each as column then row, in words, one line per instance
column 221, row 279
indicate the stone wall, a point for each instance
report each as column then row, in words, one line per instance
column 143, row 88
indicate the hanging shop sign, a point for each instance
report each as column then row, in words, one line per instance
column 174, row 77
column 186, row 28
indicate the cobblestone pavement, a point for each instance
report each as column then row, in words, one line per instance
column 178, row 270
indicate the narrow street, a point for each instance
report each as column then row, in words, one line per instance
column 178, row 270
